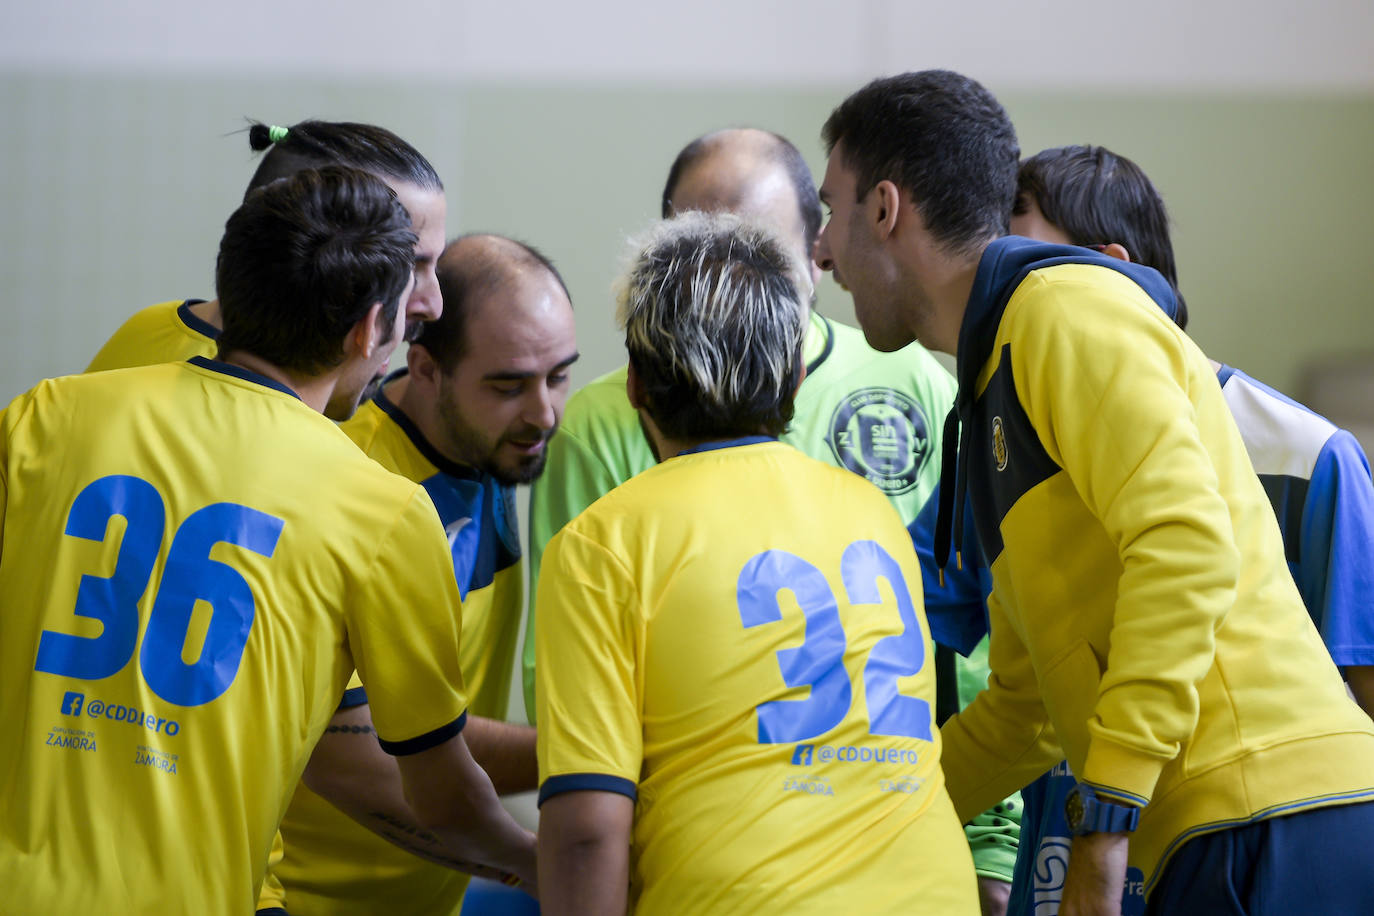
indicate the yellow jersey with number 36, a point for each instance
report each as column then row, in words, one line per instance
column 735, row 639
column 192, row 562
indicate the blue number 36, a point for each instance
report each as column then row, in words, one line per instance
column 819, row 661
column 188, row 576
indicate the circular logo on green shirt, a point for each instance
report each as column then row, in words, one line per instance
column 881, row 435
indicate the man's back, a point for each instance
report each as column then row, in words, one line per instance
column 240, row 554
column 735, row 636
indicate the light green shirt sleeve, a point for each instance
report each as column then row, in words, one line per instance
column 599, row 446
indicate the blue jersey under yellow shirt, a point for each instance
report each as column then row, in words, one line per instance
column 333, row 865
column 734, row 639
column 192, row 563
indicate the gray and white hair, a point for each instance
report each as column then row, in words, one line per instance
column 714, row 311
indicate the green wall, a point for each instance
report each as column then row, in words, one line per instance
column 115, row 189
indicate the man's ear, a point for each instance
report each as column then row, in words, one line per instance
column 634, row 388
column 1119, row 252
column 366, row 334
column 885, row 200
column 423, row 369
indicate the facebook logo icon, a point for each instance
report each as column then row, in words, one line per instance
column 71, row 703
column 801, row 757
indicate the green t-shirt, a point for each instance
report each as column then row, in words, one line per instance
column 877, row 414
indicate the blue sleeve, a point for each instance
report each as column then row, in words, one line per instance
column 1335, row 569
column 956, row 610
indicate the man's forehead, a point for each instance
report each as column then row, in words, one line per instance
column 522, row 299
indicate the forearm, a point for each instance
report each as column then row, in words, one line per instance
column 993, row 896
column 352, row 772
column 1096, row 875
column 506, row 751
column 453, row 799
column 584, row 851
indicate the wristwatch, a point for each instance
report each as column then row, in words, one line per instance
column 1086, row 813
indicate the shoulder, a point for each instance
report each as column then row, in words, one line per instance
column 156, row 334
column 600, row 429
column 600, row 405
column 912, row 368
column 364, row 426
column 1280, row 435
column 159, row 314
column 1092, row 311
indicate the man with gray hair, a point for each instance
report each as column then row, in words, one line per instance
column 682, row 613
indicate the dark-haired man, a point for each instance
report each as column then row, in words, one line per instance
column 469, row 419
column 1143, row 624
column 184, row 328
column 682, row 770
column 241, row 558
column 1316, row 475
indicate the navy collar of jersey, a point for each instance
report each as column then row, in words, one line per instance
column 726, row 443
column 829, row 330
column 248, row 375
column 1004, row 265
column 417, row 438
column 195, row 322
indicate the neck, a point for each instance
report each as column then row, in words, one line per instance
column 666, row 447
column 314, row 391
column 208, row 312
column 949, row 285
column 422, row 410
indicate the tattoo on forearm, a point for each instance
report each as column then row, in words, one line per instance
column 423, row 843
column 349, row 729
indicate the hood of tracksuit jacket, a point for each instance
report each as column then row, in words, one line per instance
column 1005, row 263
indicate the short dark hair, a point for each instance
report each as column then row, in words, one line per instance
column 464, row 276
column 783, row 153
column 942, row 138
column 1098, row 197
column 714, row 316
column 311, row 144
column 303, row 259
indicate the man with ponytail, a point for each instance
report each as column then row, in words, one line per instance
column 182, row 328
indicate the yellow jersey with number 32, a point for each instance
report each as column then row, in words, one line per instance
column 734, row 638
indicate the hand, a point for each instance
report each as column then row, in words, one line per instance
column 1096, row 875
column 993, row 896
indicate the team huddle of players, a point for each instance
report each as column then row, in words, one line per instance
column 257, row 637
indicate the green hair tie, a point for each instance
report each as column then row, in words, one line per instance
column 277, row 134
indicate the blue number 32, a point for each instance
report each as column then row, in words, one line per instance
column 188, row 576
column 819, row 661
